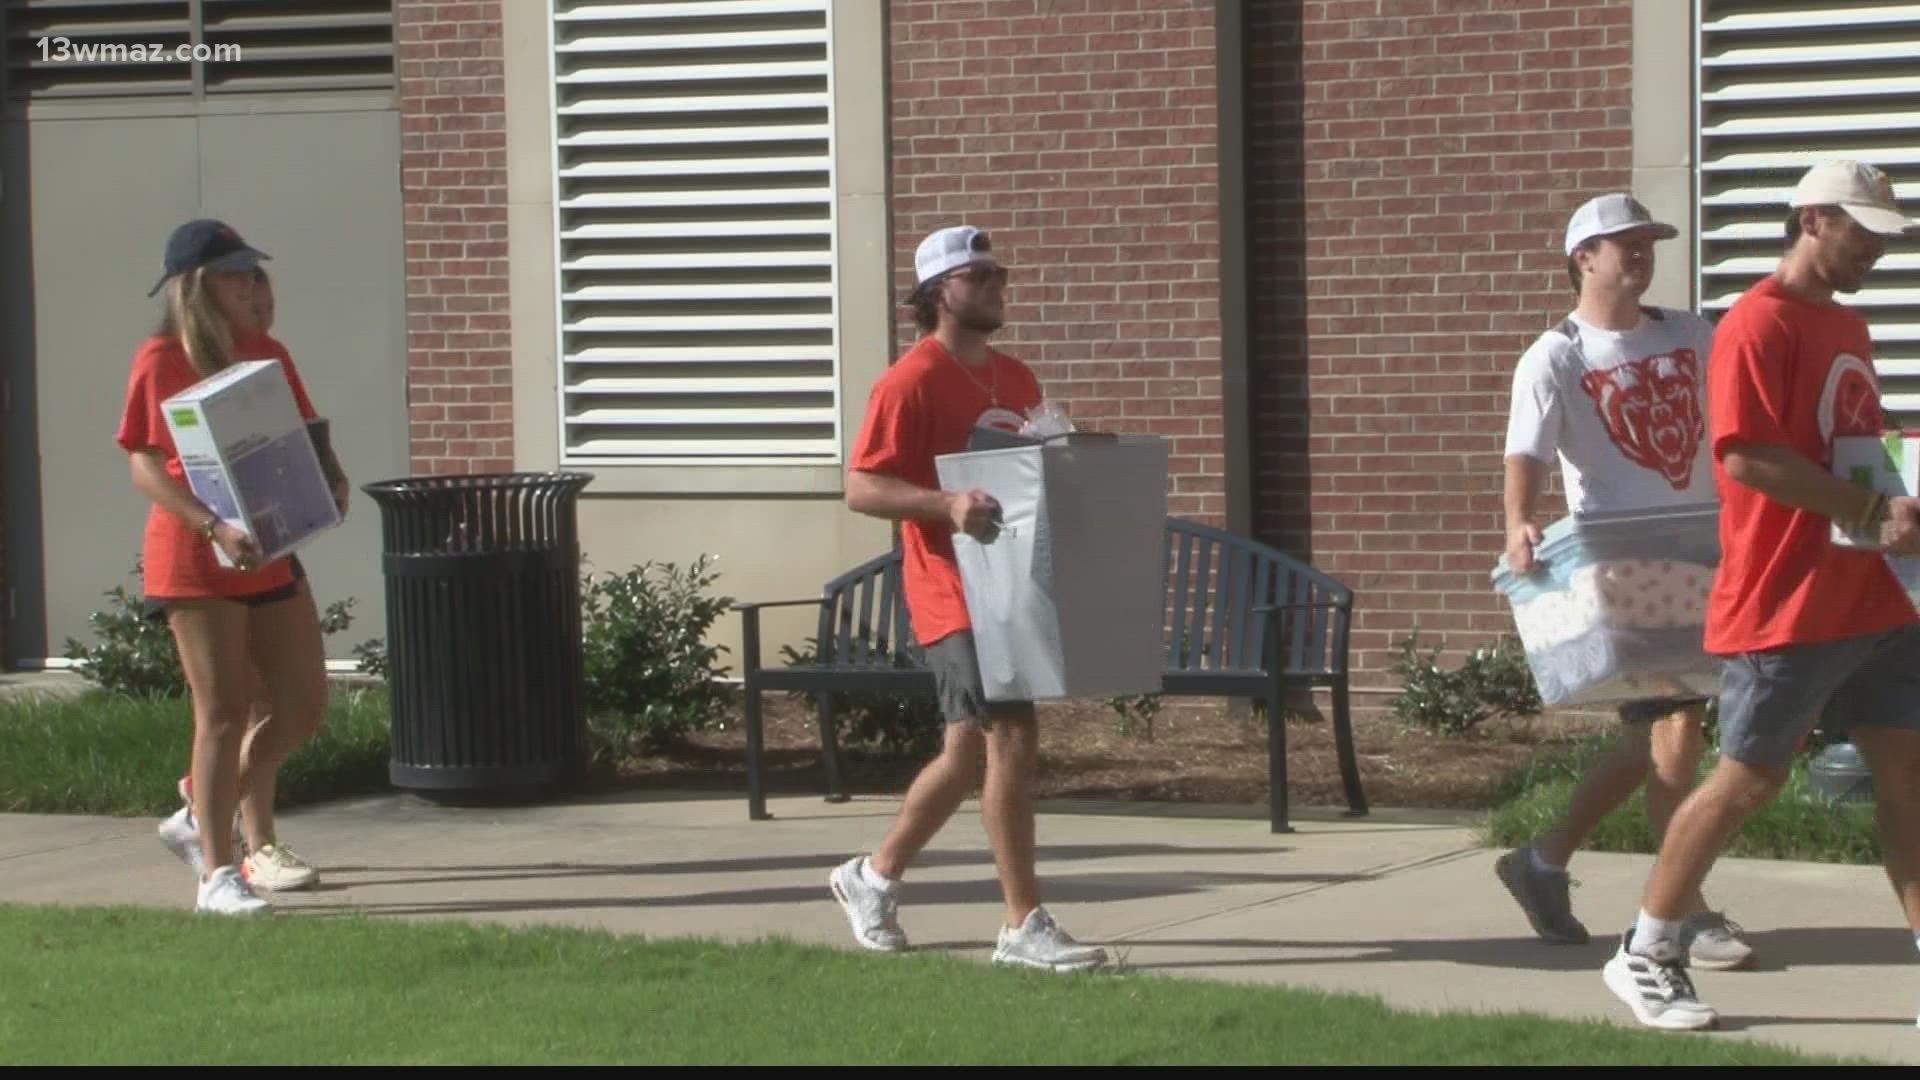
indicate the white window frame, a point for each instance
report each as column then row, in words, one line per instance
column 831, row 456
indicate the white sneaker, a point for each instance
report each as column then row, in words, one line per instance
column 873, row 913
column 182, row 837
column 1657, row 988
column 1714, row 941
column 276, row 868
column 225, row 892
column 1040, row 943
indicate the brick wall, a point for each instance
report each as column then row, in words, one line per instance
column 454, row 182
column 1082, row 133
column 1446, row 143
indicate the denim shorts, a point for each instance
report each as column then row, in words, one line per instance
column 1771, row 700
column 956, row 680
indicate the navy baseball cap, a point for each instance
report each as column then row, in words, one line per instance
column 207, row 243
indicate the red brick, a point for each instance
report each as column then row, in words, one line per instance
column 1382, row 369
column 452, row 107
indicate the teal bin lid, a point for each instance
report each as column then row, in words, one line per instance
column 1688, row 533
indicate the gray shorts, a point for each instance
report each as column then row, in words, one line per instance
column 956, row 680
column 1771, row 700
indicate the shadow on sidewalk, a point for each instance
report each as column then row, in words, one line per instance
column 1774, row 950
column 417, row 874
column 1059, row 888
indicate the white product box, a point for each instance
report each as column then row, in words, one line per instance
column 248, row 456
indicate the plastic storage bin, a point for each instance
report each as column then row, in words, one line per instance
column 1617, row 609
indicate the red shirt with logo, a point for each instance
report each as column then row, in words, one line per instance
column 176, row 562
column 1789, row 371
column 926, row 405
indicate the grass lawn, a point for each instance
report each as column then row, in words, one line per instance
column 102, row 753
column 112, row 985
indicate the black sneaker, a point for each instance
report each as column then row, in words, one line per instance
column 1543, row 896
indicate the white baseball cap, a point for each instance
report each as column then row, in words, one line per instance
column 951, row 249
column 1860, row 189
column 1615, row 212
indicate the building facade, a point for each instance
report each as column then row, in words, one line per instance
column 667, row 244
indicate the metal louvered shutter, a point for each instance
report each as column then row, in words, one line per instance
column 695, row 227
column 84, row 48
column 1787, row 84
column 290, row 45
column 193, row 48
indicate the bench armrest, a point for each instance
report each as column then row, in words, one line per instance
column 758, row 604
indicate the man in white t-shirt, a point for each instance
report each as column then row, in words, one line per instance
column 1617, row 394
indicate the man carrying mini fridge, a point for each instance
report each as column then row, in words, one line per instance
column 928, row 404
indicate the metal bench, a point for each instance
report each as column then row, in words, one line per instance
column 1244, row 620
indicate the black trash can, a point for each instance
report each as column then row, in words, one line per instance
column 484, row 661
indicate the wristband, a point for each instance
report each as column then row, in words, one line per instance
column 1874, row 513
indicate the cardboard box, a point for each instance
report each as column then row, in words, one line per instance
column 249, row 458
column 1617, row 608
column 1068, row 599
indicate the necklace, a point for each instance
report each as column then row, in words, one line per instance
column 993, row 391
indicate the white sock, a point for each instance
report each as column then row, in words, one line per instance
column 1543, row 865
column 873, row 878
column 1916, row 939
column 1649, row 931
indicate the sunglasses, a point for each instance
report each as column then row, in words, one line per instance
column 982, row 275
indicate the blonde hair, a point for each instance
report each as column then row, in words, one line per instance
column 201, row 329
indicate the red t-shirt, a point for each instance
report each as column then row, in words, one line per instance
column 1787, row 371
column 176, row 563
column 924, row 406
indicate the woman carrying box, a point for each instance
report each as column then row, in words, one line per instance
column 232, row 624
column 264, row 862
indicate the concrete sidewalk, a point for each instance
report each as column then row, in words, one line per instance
column 1400, row 905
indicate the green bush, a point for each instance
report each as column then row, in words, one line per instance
column 1136, row 713
column 135, row 656
column 652, row 677
column 1493, row 681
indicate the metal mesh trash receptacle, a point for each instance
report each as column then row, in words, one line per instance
column 485, row 668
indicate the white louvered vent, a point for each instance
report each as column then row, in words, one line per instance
column 1786, row 83
column 86, row 48
column 695, row 211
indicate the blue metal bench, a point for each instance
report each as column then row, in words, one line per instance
column 1244, row 620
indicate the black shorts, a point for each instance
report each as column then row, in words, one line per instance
column 155, row 607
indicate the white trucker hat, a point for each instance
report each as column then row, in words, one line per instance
column 1616, row 212
column 951, row 249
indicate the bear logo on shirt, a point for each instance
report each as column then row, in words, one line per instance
column 1651, row 409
